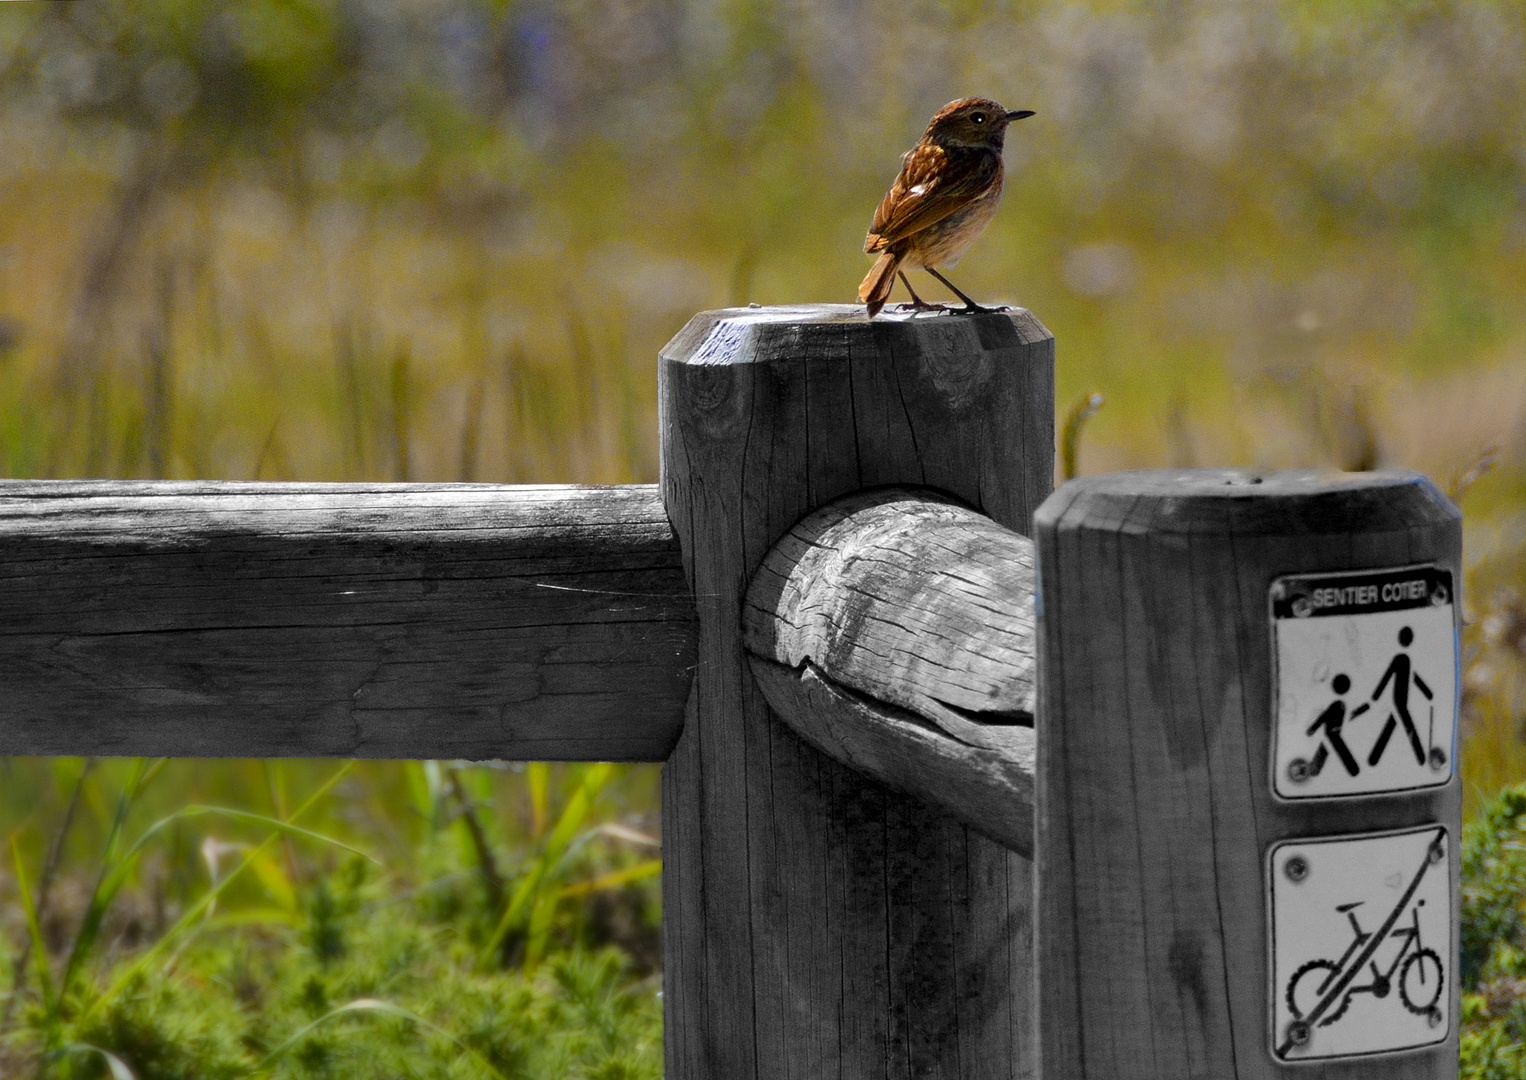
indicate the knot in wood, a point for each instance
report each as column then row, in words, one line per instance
column 955, row 361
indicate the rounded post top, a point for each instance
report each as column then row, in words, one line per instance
column 1243, row 483
column 748, row 334
column 1300, row 500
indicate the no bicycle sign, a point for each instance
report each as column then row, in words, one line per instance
column 1366, row 682
column 1362, row 954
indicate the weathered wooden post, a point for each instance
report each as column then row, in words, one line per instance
column 817, row 924
column 1248, row 797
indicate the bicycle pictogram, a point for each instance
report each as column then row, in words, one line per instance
column 1390, row 964
column 1418, row 983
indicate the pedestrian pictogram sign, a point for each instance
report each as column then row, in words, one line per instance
column 1366, row 682
column 1362, row 956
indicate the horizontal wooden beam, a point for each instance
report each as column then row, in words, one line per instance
column 894, row 631
column 380, row 620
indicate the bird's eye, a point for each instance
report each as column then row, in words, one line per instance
column 979, row 118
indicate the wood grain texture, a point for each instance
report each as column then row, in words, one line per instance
column 396, row 620
column 910, row 599
column 1155, row 809
column 894, row 631
column 988, row 787
column 817, row 923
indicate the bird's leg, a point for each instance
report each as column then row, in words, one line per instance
column 970, row 307
column 917, row 303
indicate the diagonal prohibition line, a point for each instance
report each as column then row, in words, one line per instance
column 1380, row 936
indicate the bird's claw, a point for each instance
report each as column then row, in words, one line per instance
column 921, row 306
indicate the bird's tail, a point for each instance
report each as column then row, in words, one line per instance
column 881, row 279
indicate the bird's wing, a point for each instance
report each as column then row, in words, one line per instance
column 930, row 188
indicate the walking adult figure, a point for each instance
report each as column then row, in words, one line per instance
column 1401, row 673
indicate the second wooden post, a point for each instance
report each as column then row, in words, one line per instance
column 1248, row 791
column 815, row 923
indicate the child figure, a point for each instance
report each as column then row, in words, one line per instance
column 1332, row 720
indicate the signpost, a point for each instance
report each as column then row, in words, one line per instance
column 1247, row 796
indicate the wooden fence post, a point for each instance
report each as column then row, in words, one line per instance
column 1248, row 800
column 817, row 924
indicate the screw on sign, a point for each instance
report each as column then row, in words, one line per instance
column 1360, row 926
column 1366, row 682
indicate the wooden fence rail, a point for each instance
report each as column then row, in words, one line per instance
column 392, row 620
column 894, row 631
column 897, row 732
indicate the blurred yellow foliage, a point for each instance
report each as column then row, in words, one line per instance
column 445, row 240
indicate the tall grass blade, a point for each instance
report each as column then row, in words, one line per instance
column 122, row 869
column 482, row 848
column 108, row 880
column 527, row 894
column 1465, row 479
column 613, row 879
column 1070, row 432
column 149, row 775
column 34, row 933
column 345, row 354
column 538, row 780
column 248, row 817
column 374, row 1005
column 418, row 791
column 401, row 385
column 471, row 431
column 159, row 365
column 277, row 883
column 117, row 1067
column 275, row 782
column 261, row 916
column 192, row 916
column 631, row 836
column 55, row 853
column 434, row 783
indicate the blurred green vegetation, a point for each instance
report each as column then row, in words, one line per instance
column 322, row 919
column 444, row 240
column 1494, row 939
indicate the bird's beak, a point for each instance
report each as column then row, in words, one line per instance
column 1018, row 114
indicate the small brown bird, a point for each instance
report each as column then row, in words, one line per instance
column 946, row 195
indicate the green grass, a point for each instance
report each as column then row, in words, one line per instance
column 494, row 940
column 1494, row 939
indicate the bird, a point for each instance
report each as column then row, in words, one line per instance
column 946, row 195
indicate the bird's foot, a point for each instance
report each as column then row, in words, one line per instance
column 918, row 306
column 972, row 308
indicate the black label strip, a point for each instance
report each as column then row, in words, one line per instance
column 1314, row 595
